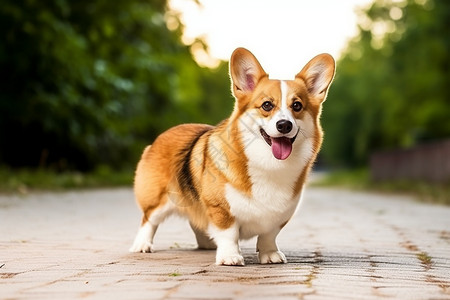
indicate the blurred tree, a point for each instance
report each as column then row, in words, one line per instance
column 392, row 83
column 85, row 83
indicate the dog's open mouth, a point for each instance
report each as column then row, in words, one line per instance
column 281, row 146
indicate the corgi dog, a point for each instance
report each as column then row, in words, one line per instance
column 245, row 176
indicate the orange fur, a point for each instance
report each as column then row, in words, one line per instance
column 156, row 182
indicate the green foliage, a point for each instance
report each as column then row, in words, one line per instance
column 89, row 83
column 392, row 83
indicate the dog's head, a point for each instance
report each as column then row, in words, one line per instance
column 279, row 113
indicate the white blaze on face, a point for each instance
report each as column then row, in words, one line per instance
column 281, row 143
column 283, row 113
column 284, row 91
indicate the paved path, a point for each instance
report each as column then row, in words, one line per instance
column 340, row 245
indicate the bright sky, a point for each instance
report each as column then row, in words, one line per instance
column 283, row 34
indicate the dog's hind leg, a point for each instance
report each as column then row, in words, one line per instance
column 144, row 238
column 203, row 240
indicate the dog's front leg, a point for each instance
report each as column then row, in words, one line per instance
column 227, row 241
column 268, row 252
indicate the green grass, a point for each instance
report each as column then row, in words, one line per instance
column 354, row 179
column 425, row 259
column 360, row 180
column 25, row 180
column 174, row 274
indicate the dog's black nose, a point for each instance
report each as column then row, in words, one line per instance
column 284, row 126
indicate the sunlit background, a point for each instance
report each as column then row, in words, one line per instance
column 87, row 84
column 283, row 34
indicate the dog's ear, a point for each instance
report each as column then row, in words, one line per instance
column 245, row 72
column 318, row 74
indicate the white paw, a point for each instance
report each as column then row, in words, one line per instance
column 141, row 246
column 274, row 257
column 142, row 242
column 144, row 239
column 230, row 260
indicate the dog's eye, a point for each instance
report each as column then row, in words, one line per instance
column 267, row 106
column 297, row 106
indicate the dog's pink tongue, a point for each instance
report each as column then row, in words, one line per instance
column 281, row 147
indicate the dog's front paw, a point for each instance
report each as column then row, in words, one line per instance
column 230, row 260
column 274, row 257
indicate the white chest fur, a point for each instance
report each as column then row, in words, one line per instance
column 268, row 208
column 272, row 202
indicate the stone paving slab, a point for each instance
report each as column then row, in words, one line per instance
column 340, row 245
